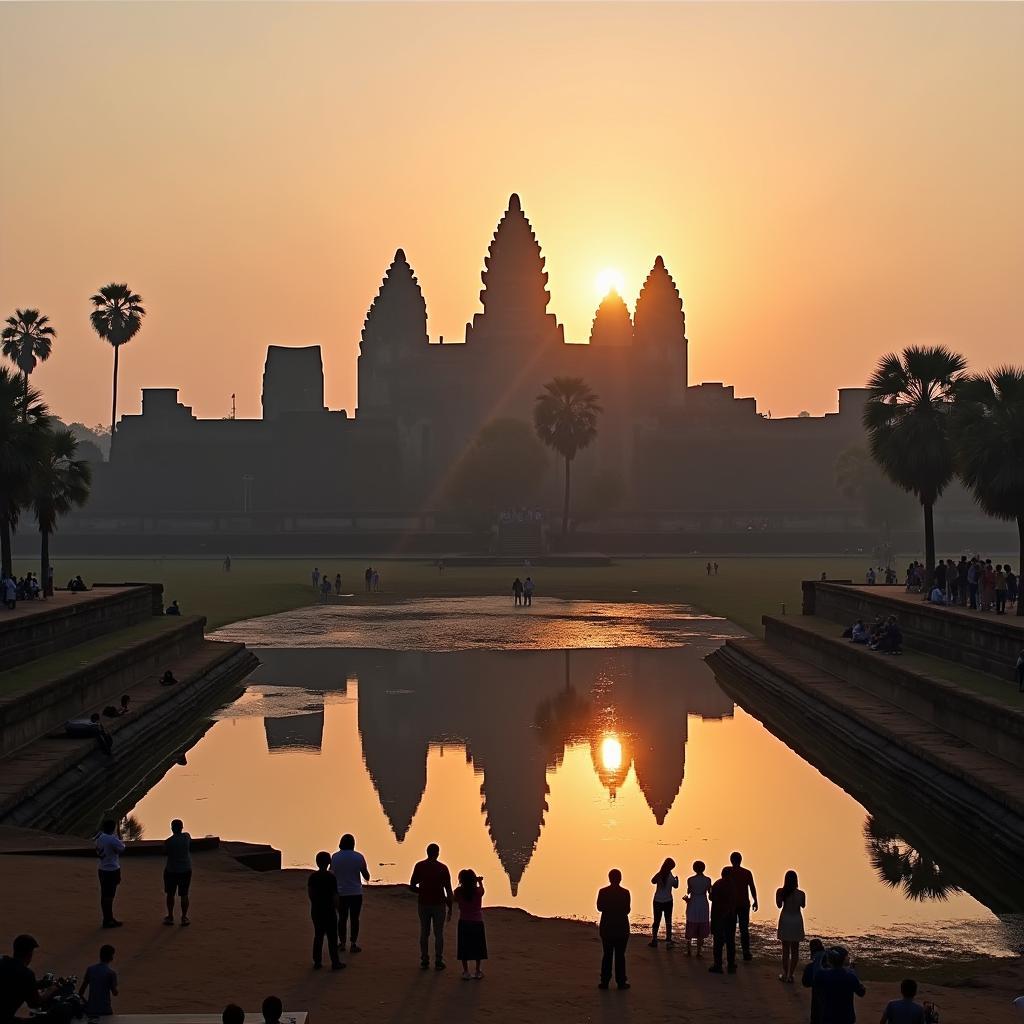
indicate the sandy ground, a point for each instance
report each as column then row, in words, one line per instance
column 251, row 935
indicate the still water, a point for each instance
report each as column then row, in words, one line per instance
column 541, row 747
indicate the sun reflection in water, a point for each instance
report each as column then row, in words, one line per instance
column 611, row 754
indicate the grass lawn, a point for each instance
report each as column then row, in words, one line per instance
column 744, row 589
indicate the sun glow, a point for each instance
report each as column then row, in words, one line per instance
column 611, row 754
column 609, row 280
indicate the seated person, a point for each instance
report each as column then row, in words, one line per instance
column 859, row 633
column 18, row 983
column 103, row 738
column 167, row 679
column 891, row 640
column 173, row 609
column 938, row 595
column 77, row 584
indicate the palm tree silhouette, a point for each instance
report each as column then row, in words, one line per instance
column 59, row 483
column 27, row 340
column 900, row 866
column 23, row 430
column 907, row 418
column 565, row 418
column 116, row 319
column 990, row 445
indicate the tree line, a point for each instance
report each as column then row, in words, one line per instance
column 929, row 420
column 39, row 468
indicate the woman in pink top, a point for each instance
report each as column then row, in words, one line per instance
column 469, row 895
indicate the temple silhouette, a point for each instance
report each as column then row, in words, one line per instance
column 690, row 457
column 515, row 730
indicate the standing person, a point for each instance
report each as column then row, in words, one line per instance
column 368, row 576
column 708, row 568
column 322, row 889
column 905, row 1010
column 835, row 987
column 472, row 938
column 614, row 905
column 315, row 577
column 716, row 568
column 791, row 900
column 528, row 588
column 349, row 868
column 178, row 870
column 101, row 982
column 109, row 849
column 1000, row 588
column 432, row 882
column 664, row 882
column 337, row 584
column 10, row 589
column 325, row 589
column 517, row 591
column 376, row 580
column 817, row 963
column 227, row 563
column 746, row 892
column 723, row 922
column 698, row 910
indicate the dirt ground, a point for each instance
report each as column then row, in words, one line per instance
column 251, row 937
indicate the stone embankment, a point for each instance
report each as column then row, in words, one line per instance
column 51, row 781
column 934, row 745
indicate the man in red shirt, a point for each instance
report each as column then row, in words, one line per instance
column 746, row 892
column 432, row 882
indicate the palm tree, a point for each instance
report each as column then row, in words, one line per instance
column 59, row 483
column 990, row 445
column 117, row 319
column 565, row 418
column 907, row 418
column 23, row 429
column 27, row 340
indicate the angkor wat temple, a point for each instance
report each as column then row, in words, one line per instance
column 690, row 459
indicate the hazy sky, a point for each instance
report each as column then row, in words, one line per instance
column 825, row 181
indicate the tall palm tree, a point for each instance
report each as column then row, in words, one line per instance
column 27, row 340
column 565, row 418
column 23, row 429
column 59, row 483
column 117, row 319
column 990, row 445
column 907, row 418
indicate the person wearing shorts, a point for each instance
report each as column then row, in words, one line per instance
column 178, row 871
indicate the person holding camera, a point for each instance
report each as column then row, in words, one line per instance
column 18, row 984
column 469, row 895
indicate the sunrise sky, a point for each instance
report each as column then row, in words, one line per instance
column 825, row 181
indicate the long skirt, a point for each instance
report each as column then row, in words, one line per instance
column 472, row 941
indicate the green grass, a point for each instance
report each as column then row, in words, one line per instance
column 43, row 670
column 744, row 589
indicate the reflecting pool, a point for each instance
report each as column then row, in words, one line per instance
column 538, row 751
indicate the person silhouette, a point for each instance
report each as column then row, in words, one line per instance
column 664, row 882
column 746, row 892
column 517, row 591
column 322, row 890
column 349, row 868
column 432, row 882
column 723, row 922
column 698, row 912
column 613, row 903
column 790, row 900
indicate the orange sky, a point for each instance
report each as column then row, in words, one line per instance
column 824, row 181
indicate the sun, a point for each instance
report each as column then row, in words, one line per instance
column 609, row 280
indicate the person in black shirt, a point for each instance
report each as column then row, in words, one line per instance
column 322, row 888
column 18, row 985
column 613, row 903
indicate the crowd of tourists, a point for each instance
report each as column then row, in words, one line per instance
column 28, row 588
column 883, row 634
column 718, row 910
column 972, row 582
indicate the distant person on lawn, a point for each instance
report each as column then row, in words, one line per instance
column 322, row 889
column 101, row 983
column 432, row 882
column 528, row 588
column 349, row 869
column 178, row 871
column 613, row 903
column 517, row 591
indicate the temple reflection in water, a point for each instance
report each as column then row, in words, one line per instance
column 621, row 703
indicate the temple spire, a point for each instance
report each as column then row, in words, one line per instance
column 515, row 295
column 659, row 330
column 397, row 318
column 612, row 324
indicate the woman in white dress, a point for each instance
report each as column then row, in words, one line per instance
column 698, row 909
column 790, row 900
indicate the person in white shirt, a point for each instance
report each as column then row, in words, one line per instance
column 664, row 882
column 349, row 868
column 109, row 849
